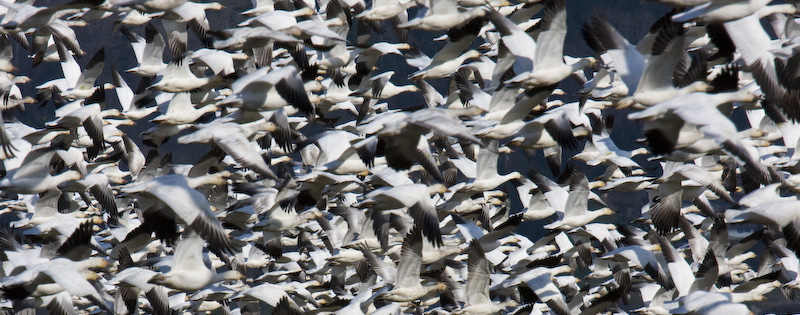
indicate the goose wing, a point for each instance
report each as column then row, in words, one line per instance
column 62, row 272
column 189, row 253
column 519, row 43
column 550, row 44
column 667, row 53
column 577, row 201
column 153, row 50
column 192, row 207
column 542, row 284
column 92, row 70
column 477, row 289
column 237, row 146
column 625, row 59
column 410, row 260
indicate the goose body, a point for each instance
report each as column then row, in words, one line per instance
column 188, row 269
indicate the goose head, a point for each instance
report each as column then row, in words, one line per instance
column 588, row 62
column 698, row 86
column 113, row 112
column 437, row 189
column 639, row 151
column 92, row 263
column 625, row 102
column 472, row 54
column 604, row 211
column 68, row 176
column 229, row 275
column 212, row 6
column 218, row 178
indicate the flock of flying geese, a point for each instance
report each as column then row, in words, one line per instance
column 322, row 192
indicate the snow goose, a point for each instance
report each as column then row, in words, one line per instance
column 7, row 147
column 132, row 102
column 188, row 271
column 44, row 47
column 458, row 40
column 649, row 79
column 408, row 288
column 270, row 89
column 542, row 63
column 148, row 6
column 135, row 17
column 765, row 206
column 131, row 280
column 90, row 116
column 185, row 203
column 675, row 124
column 34, row 177
column 535, row 205
column 381, row 88
column 12, row 149
column 638, row 256
column 279, row 220
column 540, row 280
column 417, row 199
column 192, row 14
column 487, row 177
column 477, row 290
column 77, row 84
column 235, row 139
column 286, row 23
column 774, row 80
column 602, row 150
column 181, row 110
column 790, row 266
column 158, row 134
column 385, row 9
column 177, row 77
column 97, row 184
column 576, row 213
column 367, row 57
column 553, row 128
column 337, row 155
column 469, row 93
column 24, row 16
column 679, row 269
column 47, row 221
column 255, row 37
column 61, row 274
column 218, row 61
column 626, row 61
column 6, row 53
column 443, row 15
column 260, row 7
column 148, row 50
column 666, row 212
column 450, row 62
column 400, row 133
column 505, row 108
column 550, row 198
column 704, row 302
column 682, row 3
column 716, row 12
column 492, row 241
